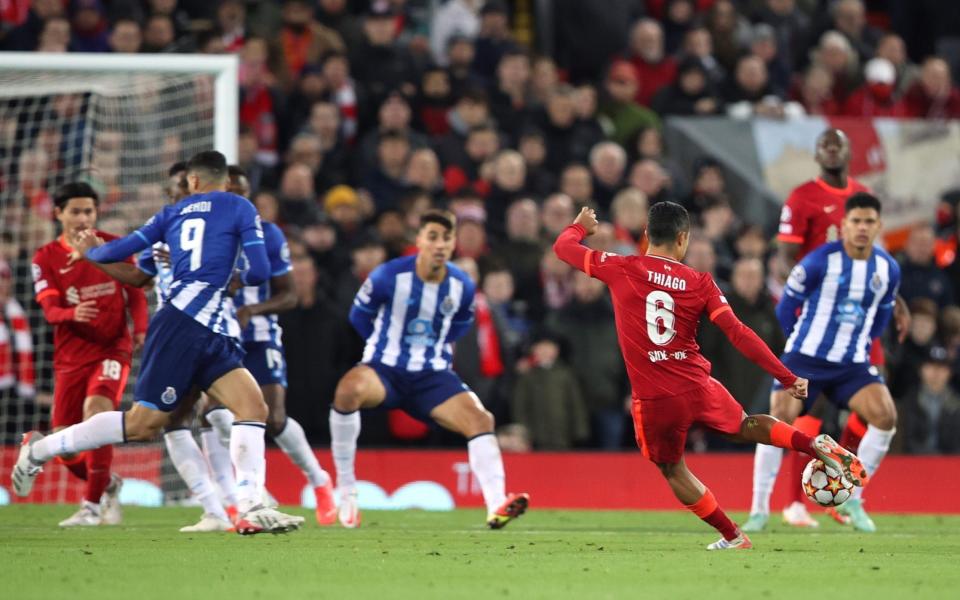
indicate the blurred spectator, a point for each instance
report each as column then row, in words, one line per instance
column 342, row 204
column 89, row 27
column 297, row 195
column 385, row 180
column 790, row 24
column 434, row 102
column 730, row 32
column 575, row 182
column 533, row 149
column 589, row 33
column 747, row 382
column 892, row 48
column 55, row 36
column 933, row 96
column 125, row 36
column 510, row 97
column 850, row 19
column 928, row 418
column 566, row 138
column 366, row 255
column 423, row 172
column 179, row 17
column 655, row 69
column 231, row 21
column 547, row 399
column 544, row 80
column 751, row 92
column 304, row 40
column 608, row 165
column 816, row 92
column 702, row 257
column 650, row 178
column 514, row 438
column 472, row 238
column 455, row 17
column 763, row 43
column 587, row 325
column 920, row 277
column 835, row 54
column 698, row 44
column 709, row 186
column 522, row 249
column 159, row 35
column 460, row 53
column 27, row 35
column 692, row 93
column 499, row 290
column 336, row 70
column 629, row 215
column 17, row 374
column 261, row 103
column 309, row 89
column 472, row 109
column 906, row 360
column 717, row 221
column 751, row 242
column 493, row 38
column 395, row 116
column 876, row 97
column 557, row 278
column 506, row 185
column 678, row 17
column 336, row 15
column 482, row 144
column 620, row 114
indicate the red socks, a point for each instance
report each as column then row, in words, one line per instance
column 76, row 465
column 853, row 433
column 810, row 426
column 707, row 509
column 98, row 472
column 786, row 436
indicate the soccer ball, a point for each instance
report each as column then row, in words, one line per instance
column 824, row 485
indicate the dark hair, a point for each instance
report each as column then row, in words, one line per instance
column 665, row 221
column 177, row 167
column 444, row 218
column 210, row 164
column 75, row 189
column 393, row 135
column 862, row 200
column 236, row 171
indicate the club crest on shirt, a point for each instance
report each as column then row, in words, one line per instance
column 169, row 395
column 447, row 307
column 876, row 283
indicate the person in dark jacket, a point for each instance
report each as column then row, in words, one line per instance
column 929, row 416
column 690, row 95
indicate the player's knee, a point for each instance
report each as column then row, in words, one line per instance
column 885, row 418
column 349, row 394
column 478, row 422
column 276, row 420
column 141, row 431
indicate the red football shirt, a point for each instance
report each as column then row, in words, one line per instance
column 657, row 303
column 812, row 214
column 107, row 335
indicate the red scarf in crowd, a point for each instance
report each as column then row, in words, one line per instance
column 491, row 362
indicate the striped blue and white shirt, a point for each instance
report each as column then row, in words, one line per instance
column 844, row 303
column 265, row 328
column 161, row 272
column 408, row 323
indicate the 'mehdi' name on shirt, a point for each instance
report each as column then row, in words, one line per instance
column 659, row 355
column 204, row 206
column 667, row 281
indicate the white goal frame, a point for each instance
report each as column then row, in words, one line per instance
column 224, row 68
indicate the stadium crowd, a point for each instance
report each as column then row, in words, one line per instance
column 357, row 116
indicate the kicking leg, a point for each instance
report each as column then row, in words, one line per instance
column 700, row 501
column 464, row 414
column 289, row 435
column 188, row 460
column 359, row 388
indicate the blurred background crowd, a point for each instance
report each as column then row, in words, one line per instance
column 358, row 115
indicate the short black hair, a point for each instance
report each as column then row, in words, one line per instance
column 444, row 218
column 177, row 167
column 236, row 171
column 665, row 221
column 862, row 200
column 210, row 164
column 74, row 189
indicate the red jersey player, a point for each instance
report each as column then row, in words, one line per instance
column 92, row 344
column 657, row 303
column 811, row 217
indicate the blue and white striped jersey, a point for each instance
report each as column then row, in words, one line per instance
column 846, row 303
column 162, row 274
column 265, row 328
column 205, row 233
column 410, row 324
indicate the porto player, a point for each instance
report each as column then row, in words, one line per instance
column 92, row 344
column 657, row 304
column 811, row 217
column 190, row 342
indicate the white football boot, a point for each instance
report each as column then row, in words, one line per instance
column 25, row 470
column 741, row 542
column 797, row 515
column 208, row 524
column 111, row 512
column 87, row 516
column 261, row 519
column 349, row 510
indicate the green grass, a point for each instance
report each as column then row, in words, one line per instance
column 546, row 554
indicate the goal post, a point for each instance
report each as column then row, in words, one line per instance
column 118, row 122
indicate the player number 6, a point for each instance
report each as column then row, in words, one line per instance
column 660, row 318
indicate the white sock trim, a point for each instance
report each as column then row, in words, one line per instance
column 766, row 467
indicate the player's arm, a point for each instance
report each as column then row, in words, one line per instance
column 282, row 296
column 787, row 253
column 902, row 317
column 51, row 301
column 254, row 246
column 95, row 250
column 742, row 337
column 804, row 278
column 125, row 273
column 887, row 306
column 137, row 305
column 463, row 319
column 568, row 248
column 791, row 234
column 366, row 304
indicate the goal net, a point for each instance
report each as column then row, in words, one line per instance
column 117, row 122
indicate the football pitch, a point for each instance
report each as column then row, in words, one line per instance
column 412, row 554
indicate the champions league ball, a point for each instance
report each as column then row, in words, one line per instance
column 825, row 485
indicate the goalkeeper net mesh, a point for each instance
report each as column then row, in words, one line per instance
column 120, row 132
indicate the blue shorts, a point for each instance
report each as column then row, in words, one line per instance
column 838, row 382
column 418, row 392
column 265, row 362
column 178, row 354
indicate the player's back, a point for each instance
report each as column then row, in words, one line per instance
column 204, row 235
column 657, row 304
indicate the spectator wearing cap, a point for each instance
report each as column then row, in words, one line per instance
column 456, row 17
column 89, row 25
column 928, row 417
column 381, row 64
column 920, row 277
column 302, row 38
column 385, row 180
column 691, row 94
column 342, row 205
column 620, row 115
column 336, row 15
column 26, row 36
column 493, row 39
column 876, row 98
column 933, row 96
column 654, row 68
column 510, row 97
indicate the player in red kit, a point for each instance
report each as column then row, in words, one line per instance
column 657, row 302
column 811, row 217
column 92, row 344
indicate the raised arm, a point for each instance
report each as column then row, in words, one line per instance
column 568, row 248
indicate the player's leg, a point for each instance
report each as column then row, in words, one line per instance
column 796, row 513
column 219, row 417
column 855, row 427
column 464, row 413
column 69, row 388
column 290, row 437
column 189, row 462
column 875, row 404
column 700, row 501
column 360, row 387
column 216, row 448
